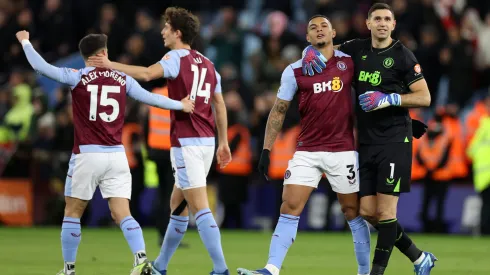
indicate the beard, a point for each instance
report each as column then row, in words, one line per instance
column 321, row 44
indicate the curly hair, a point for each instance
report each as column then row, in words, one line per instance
column 184, row 21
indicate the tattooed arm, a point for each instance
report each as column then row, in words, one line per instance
column 286, row 93
column 274, row 123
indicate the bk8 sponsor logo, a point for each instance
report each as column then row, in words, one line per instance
column 335, row 85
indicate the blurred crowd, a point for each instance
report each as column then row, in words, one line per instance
column 250, row 42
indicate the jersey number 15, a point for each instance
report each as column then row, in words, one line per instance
column 198, row 83
column 104, row 101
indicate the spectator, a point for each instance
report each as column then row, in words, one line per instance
column 227, row 39
column 55, row 44
column 478, row 151
column 111, row 25
column 150, row 31
column 18, row 118
column 233, row 180
column 427, row 54
column 433, row 154
column 482, row 54
column 457, row 60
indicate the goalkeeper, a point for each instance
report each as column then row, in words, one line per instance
column 388, row 80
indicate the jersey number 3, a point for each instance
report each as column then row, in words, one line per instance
column 104, row 101
column 198, row 83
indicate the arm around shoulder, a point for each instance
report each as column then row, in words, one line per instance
column 141, row 73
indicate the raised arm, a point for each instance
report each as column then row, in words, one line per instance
column 62, row 75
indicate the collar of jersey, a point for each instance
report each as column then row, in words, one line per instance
column 379, row 51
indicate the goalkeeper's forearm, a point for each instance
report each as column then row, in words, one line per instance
column 419, row 96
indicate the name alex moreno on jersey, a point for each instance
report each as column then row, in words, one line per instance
column 93, row 75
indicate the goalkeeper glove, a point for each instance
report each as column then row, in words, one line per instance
column 374, row 100
column 418, row 128
column 264, row 163
column 312, row 59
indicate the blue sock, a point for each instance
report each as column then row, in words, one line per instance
column 282, row 239
column 175, row 233
column 134, row 236
column 71, row 235
column 210, row 236
column 362, row 248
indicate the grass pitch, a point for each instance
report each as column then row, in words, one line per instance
column 105, row 252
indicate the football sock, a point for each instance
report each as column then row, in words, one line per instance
column 419, row 259
column 211, row 237
column 174, row 235
column 134, row 236
column 384, row 246
column 272, row 269
column 282, row 239
column 405, row 244
column 71, row 235
column 361, row 238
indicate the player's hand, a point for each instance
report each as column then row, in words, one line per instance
column 223, row 155
column 188, row 105
column 22, row 35
column 374, row 100
column 100, row 60
column 312, row 59
column 264, row 163
column 418, row 128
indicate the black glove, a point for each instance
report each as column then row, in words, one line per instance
column 264, row 163
column 418, row 128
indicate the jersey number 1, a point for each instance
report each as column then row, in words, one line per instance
column 198, row 82
column 104, row 101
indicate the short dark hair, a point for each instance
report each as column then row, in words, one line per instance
column 92, row 44
column 380, row 6
column 319, row 15
column 184, row 21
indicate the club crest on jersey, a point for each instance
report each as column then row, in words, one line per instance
column 341, row 65
column 388, row 62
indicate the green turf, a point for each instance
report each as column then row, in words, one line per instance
column 104, row 251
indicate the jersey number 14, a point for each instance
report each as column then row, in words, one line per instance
column 198, row 83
